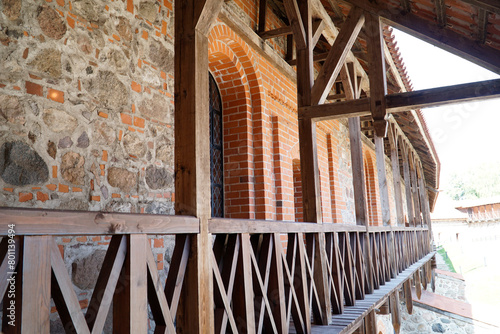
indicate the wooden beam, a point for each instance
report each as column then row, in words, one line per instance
column 35, row 293
column 206, row 11
column 56, row 222
column 63, row 294
column 323, row 112
column 434, row 97
column 295, row 18
column 130, row 303
column 371, row 323
column 430, row 32
column 102, row 296
column 283, row 31
column 395, row 312
column 406, row 4
column 318, row 26
column 337, row 56
column 489, row 5
column 440, row 13
column 483, row 25
column 399, row 102
column 262, row 16
column 378, row 80
column 333, row 97
column 316, row 57
column 192, row 158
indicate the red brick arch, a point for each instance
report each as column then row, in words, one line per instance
column 230, row 62
column 372, row 191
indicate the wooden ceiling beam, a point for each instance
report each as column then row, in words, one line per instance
column 318, row 26
column 337, row 55
column 317, row 57
column 283, row 31
column 483, row 25
column 400, row 102
column 482, row 55
column 336, row 9
column 299, row 32
column 406, row 4
column 434, row 97
column 206, row 12
column 262, row 16
column 440, row 13
column 376, row 69
column 330, row 33
column 492, row 6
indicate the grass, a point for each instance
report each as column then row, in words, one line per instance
column 447, row 260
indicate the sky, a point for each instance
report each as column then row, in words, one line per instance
column 464, row 135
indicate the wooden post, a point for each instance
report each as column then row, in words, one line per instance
column 350, row 83
column 35, row 286
column 378, row 82
column 193, row 19
column 130, row 303
column 299, row 15
column 395, row 312
column 371, row 323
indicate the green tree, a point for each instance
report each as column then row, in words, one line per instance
column 479, row 182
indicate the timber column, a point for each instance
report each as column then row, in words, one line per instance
column 193, row 19
column 299, row 15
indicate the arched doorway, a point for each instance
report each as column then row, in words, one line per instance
column 216, row 150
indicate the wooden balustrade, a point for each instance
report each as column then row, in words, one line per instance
column 264, row 272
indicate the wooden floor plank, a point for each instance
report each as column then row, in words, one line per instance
column 343, row 323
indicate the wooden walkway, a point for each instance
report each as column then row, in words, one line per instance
column 353, row 315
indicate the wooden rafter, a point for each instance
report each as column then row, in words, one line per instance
column 206, row 11
column 482, row 55
column 336, row 9
column 318, row 26
column 283, row 31
column 406, row 4
column 440, row 12
column 489, row 5
column 443, row 95
column 262, row 15
column 295, row 18
column 317, row 57
column 377, row 78
column 483, row 25
column 407, row 101
column 337, row 55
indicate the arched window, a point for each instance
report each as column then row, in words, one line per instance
column 216, row 150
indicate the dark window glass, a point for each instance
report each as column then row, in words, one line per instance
column 216, row 150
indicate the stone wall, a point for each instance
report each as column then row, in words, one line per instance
column 86, row 105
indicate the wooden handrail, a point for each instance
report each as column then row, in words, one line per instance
column 55, row 222
column 231, row 226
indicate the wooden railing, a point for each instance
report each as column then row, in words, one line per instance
column 267, row 276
